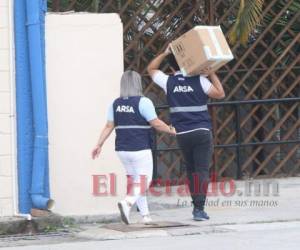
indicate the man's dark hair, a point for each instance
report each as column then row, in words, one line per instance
column 172, row 62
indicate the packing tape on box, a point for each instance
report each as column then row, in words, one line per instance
column 221, row 56
column 215, row 41
column 209, row 56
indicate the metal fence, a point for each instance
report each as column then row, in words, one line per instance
column 278, row 146
column 253, row 136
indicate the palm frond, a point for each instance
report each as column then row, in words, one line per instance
column 249, row 16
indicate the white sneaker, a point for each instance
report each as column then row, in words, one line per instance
column 124, row 211
column 147, row 219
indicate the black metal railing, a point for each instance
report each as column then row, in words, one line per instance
column 238, row 143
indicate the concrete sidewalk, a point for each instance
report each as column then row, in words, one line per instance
column 172, row 216
column 282, row 204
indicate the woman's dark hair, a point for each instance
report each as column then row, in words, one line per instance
column 172, row 62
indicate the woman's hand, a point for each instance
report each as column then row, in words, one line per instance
column 106, row 131
column 96, row 152
column 173, row 130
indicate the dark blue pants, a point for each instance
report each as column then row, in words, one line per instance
column 197, row 148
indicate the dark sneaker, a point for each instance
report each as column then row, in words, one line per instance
column 200, row 215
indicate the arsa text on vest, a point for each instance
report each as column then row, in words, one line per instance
column 183, row 89
column 125, row 108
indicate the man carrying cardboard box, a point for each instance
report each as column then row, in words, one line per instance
column 187, row 98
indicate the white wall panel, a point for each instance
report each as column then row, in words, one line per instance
column 84, row 62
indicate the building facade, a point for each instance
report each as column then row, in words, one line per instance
column 7, row 112
column 83, row 67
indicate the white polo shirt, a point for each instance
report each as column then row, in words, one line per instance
column 161, row 79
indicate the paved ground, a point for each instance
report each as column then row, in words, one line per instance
column 239, row 221
column 262, row 236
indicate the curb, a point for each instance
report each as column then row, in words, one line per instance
column 51, row 222
column 15, row 225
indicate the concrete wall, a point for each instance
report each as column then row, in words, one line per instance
column 7, row 130
column 84, row 63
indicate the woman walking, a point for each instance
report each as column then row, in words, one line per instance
column 132, row 115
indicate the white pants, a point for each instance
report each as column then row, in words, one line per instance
column 139, row 167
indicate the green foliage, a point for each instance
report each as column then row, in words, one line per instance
column 50, row 229
column 248, row 17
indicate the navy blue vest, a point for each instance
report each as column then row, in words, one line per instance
column 188, row 103
column 133, row 132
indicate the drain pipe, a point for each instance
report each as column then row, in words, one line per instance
column 23, row 108
column 39, row 185
column 13, row 118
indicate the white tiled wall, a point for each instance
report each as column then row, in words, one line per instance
column 6, row 113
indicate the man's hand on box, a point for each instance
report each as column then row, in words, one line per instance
column 207, row 71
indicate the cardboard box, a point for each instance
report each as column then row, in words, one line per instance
column 201, row 47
